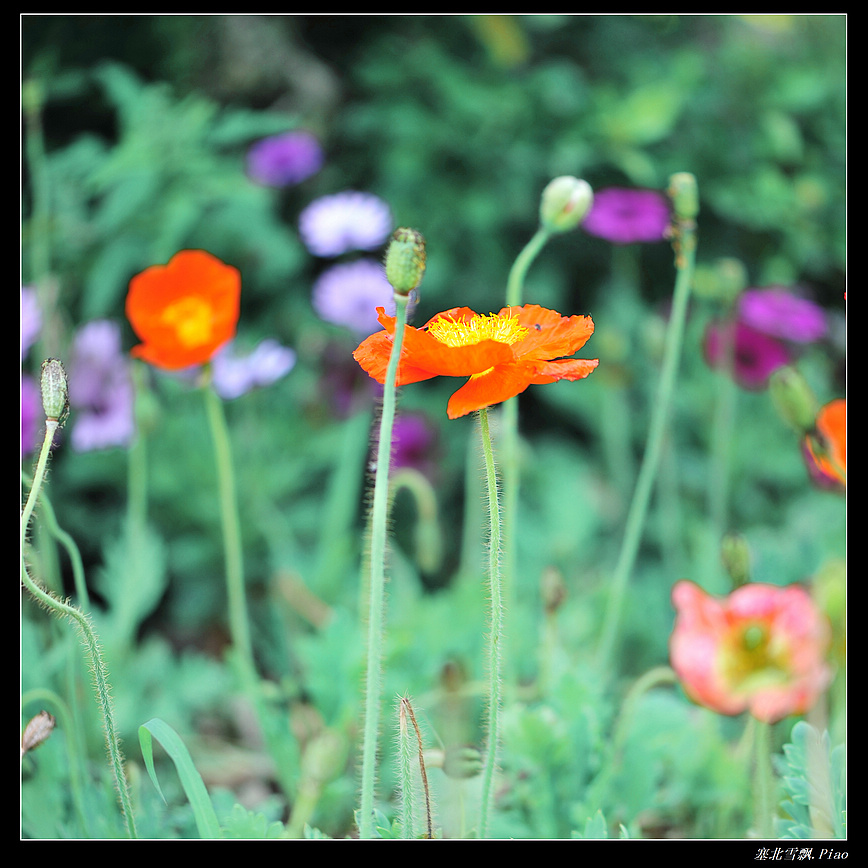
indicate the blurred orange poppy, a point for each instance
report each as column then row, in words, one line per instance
column 828, row 447
column 184, row 311
column 502, row 353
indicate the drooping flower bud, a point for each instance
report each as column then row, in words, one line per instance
column 793, row 399
column 37, row 731
column 565, row 203
column 405, row 260
column 55, row 390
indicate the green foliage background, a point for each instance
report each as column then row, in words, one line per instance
column 458, row 122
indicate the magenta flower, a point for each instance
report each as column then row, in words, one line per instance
column 778, row 312
column 346, row 221
column 761, row 649
column 31, row 319
column 100, row 389
column 31, row 414
column 628, row 216
column 286, row 159
column 349, row 293
column 755, row 355
column 235, row 375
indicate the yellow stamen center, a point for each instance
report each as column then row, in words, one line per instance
column 462, row 333
column 192, row 320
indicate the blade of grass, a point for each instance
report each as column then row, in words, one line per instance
column 191, row 780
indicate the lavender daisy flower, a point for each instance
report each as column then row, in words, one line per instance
column 755, row 357
column 348, row 294
column 286, row 159
column 335, row 224
column 778, row 312
column 235, row 375
column 31, row 407
column 100, row 389
column 628, row 216
column 31, row 319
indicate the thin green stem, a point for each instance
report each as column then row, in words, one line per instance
column 510, row 460
column 92, row 646
column 239, row 624
column 495, row 636
column 654, row 445
column 764, row 781
column 376, row 604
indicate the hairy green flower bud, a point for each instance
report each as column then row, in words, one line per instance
column 405, row 260
column 684, row 195
column 735, row 556
column 793, row 399
column 565, row 203
column 55, row 390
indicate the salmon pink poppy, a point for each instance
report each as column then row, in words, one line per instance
column 185, row 311
column 501, row 354
column 761, row 649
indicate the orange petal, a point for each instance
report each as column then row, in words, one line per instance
column 550, row 335
column 563, row 369
column 499, row 384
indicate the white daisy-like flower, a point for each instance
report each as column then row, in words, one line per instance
column 346, row 221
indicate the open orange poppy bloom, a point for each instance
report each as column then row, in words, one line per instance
column 830, row 454
column 502, row 353
column 185, row 311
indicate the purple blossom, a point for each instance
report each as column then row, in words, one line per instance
column 756, row 355
column 31, row 408
column 235, row 375
column 348, row 294
column 31, row 319
column 413, row 441
column 778, row 312
column 100, row 389
column 346, row 221
column 628, row 216
column 286, row 159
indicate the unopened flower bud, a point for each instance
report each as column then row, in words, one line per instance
column 405, row 260
column 735, row 556
column 55, row 390
column 37, row 731
column 684, row 195
column 793, row 399
column 565, row 203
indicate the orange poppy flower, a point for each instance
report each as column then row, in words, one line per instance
column 761, row 649
column 185, row 311
column 502, row 353
column 830, row 453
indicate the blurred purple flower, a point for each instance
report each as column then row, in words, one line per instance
column 286, row 159
column 31, row 408
column 778, row 312
column 100, row 389
column 756, row 355
column 31, row 319
column 235, row 375
column 413, row 439
column 348, row 294
column 628, row 216
column 335, row 224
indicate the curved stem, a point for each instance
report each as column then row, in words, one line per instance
column 99, row 670
column 653, row 448
column 376, row 591
column 495, row 635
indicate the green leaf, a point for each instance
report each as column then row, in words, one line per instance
column 815, row 806
column 191, row 780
